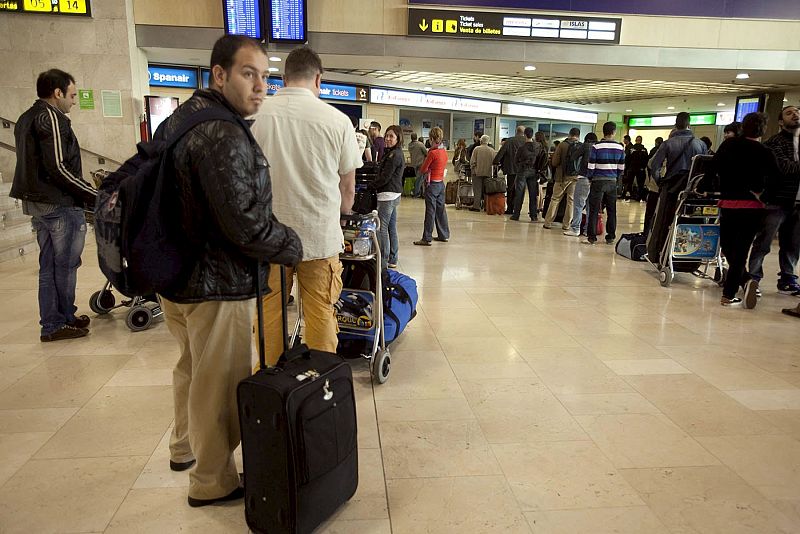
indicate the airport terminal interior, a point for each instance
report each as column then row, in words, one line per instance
column 546, row 385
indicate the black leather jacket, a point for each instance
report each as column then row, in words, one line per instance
column 226, row 206
column 49, row 159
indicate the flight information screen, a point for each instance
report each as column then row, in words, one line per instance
column 288, row 21
column 243, row 17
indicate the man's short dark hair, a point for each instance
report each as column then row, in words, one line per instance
column 226, row 47
column 626, row 138
column 590, row 137
column 754, row 124
column 707, row 141
column 375, row 124
column 50, row 80
column 735, row 128
column 659, row 140
column 528, row 133
column 574, row 132
column 682, row 120
column 784, row 108
column 609, row 128
column 302, row 64
column 413, row 136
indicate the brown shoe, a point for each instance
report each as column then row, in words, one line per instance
column 81, row 321
column 65, row 332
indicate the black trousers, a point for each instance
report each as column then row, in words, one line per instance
column 738, row 228
column 650, row 212
column 511, row 191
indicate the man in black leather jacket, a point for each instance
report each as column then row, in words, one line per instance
column 226, row 212
column 48, row 179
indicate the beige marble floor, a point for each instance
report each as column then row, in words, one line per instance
column 545, row 387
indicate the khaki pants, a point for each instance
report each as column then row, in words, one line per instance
column 561, row 188
column 215, row 343
column 320, row 284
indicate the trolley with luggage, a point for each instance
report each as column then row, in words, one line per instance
column 465, row 195
column 692, row 241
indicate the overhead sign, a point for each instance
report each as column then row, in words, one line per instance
column 81, row 8
column 512, row 26
column 180, row 77
column 423, row 100
column 327, row 91
column 700, row 119
column 205, row 76
column 538, row 112
column 746, row 9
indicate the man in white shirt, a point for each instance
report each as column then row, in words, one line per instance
column 313, row 155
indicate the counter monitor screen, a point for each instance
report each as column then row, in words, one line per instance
column 288, row 22
column 243, row 17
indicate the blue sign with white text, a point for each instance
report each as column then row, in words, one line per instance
column 181, row 77
column 205, row 75
column 327, row 91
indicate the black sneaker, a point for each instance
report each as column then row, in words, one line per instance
column 65, row 332
column 236, row 494
column 513, row 218
column 750, row 294
column 81, row 321
column 181, row 466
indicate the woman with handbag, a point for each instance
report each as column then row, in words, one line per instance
column 434, row 166
column 389, row 186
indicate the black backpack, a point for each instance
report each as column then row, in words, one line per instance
column 572, row 163
column 140, row 247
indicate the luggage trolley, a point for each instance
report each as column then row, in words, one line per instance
column 465, row 195
column 143, row 310
column 693, row 239
column 359, row 312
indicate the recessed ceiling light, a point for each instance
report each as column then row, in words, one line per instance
column 530, row 67
column 274, row 69
column 427, row 88
column 720, row 104
column 670, row 107
column 274, row 58
column 742, row 76
column 628, row 110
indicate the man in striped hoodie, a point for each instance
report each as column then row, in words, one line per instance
column 606, row 165
column 48, row 179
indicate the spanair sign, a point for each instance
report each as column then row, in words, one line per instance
column 179, row 77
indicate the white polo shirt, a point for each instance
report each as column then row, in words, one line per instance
column 308, row 144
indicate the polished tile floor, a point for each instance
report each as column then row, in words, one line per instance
column 546, row 386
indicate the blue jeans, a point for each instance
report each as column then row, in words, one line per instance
column 582, row 187
column 786, row 223
column 387, row 235
column 61, row 236
column 418, row 184
column 435, row 213
column 523, row 180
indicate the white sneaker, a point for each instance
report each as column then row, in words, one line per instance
column 571, row 233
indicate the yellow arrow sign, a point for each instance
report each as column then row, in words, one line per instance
column 423, row 25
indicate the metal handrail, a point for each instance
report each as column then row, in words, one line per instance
column 92, row 152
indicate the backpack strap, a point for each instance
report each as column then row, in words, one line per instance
column 213, row 113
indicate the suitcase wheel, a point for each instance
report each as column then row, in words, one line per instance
column 139, row 318
column 381, row 365
column 665, row 276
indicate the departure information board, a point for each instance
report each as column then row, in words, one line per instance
column 512, row 26
column 81, row 8
column 243, row 17
column 288, row 21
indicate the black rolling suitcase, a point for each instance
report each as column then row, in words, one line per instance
column 298, row 424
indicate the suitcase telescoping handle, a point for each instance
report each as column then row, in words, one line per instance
column 262, row 347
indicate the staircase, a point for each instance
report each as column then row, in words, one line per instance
column 16, row 233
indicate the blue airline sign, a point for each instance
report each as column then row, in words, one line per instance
column 327, row 91
column 181, row 77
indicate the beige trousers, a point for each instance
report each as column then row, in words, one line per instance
column 320, row 284
column 215, row 344
column 561, row 188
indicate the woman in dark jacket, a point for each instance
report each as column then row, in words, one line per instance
column 744, row 167
column 389, row 185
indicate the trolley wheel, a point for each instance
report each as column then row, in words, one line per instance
column 665, row 276
column 139, row 318
column 381, row 365
column 102, row 302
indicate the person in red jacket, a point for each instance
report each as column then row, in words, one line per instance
column 434, row 166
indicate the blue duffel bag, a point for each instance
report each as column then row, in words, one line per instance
column 399, row 303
